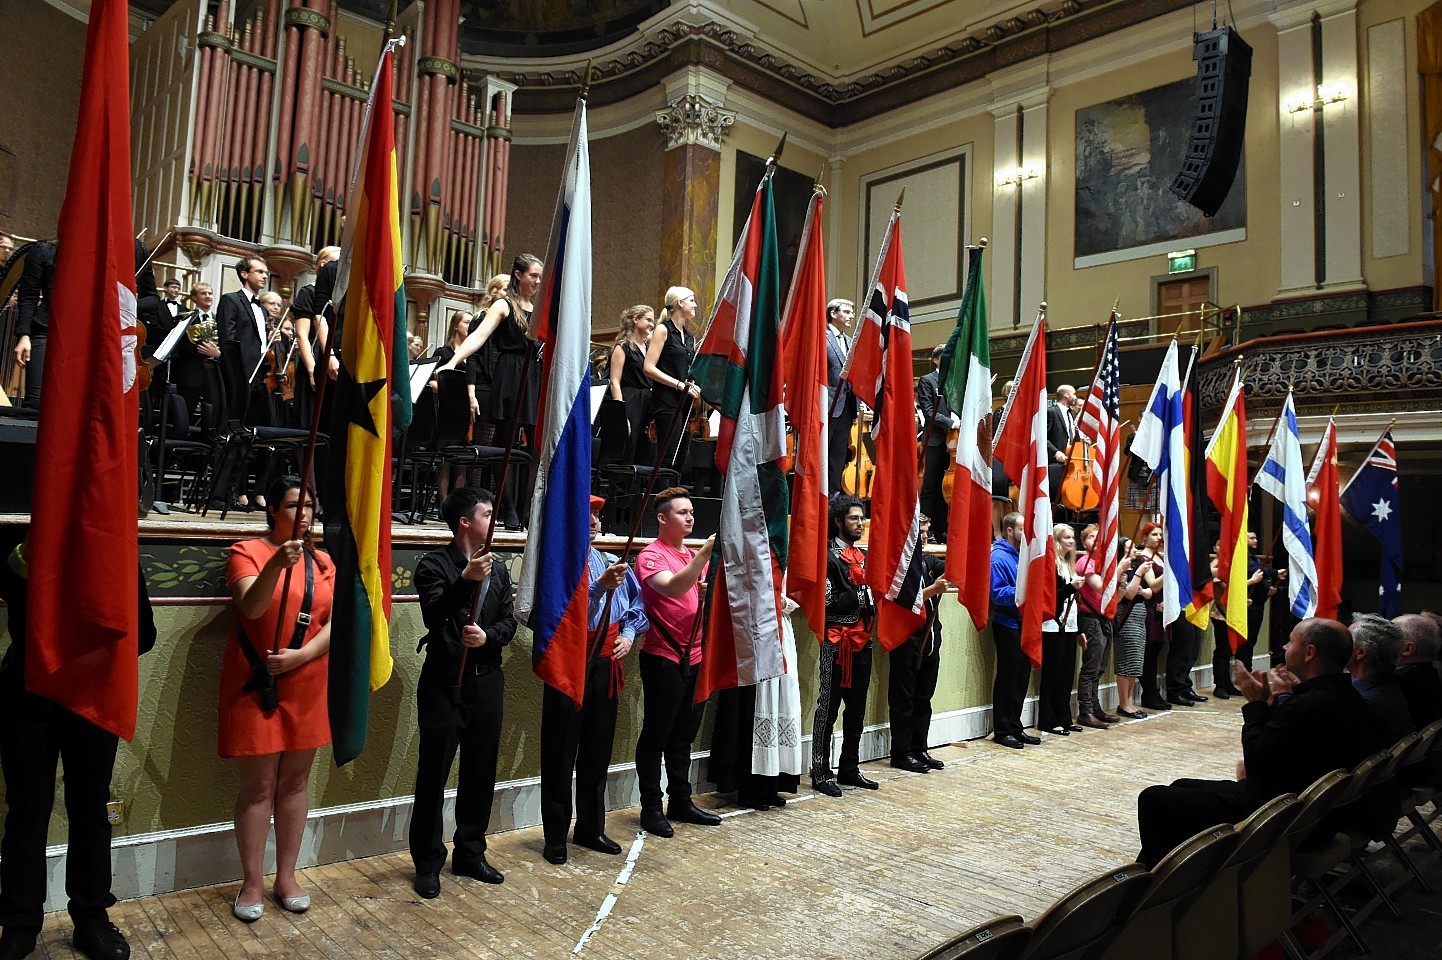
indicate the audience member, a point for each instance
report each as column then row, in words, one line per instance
column 1376, row 645
column 1416, row 677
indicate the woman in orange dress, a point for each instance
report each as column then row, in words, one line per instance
column 274, row 748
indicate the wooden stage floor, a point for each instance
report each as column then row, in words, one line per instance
column 874, row 874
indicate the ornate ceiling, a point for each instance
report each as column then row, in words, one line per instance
column 836, row 61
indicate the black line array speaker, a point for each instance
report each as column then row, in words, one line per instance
column 1219, row 124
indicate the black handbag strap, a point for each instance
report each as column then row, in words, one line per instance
column 297, row 637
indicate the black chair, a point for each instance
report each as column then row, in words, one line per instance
column 453, row 441
column 419, row 459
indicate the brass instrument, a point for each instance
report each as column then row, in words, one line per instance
column 201, row 330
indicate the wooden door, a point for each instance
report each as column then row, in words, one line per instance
column 1179, row 304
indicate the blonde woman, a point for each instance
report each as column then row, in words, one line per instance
column 1060, row 639
column 668, row 364
column 628, row 380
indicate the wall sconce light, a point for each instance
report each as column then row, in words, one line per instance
column 1016, row 176
column 1327, row 93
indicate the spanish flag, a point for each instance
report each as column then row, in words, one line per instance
column 1227, row 488
column 373, row 400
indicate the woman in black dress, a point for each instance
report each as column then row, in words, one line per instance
column 506, row 329
column 452, row 475
column 629, row 382
column 668, row 364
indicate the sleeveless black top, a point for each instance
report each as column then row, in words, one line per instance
column 678, row 352
column 633, row 374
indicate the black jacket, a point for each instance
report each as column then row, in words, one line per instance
column 446, row 607
column 846, row 602
column 33, row 292
column 934, row 410
column 1324, row 725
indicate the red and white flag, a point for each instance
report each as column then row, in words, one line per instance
column 1099, row 426
column 1021, row 448
column 880, row 375
column 82, row 631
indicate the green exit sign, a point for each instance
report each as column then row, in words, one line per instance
column 1183, row 261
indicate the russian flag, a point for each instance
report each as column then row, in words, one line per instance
column 554, row 590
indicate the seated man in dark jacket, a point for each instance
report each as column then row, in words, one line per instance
column 1416, row 674
column 1376, row 646
column 1299, row 722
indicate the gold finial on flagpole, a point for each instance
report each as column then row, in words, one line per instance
column 900, row 197
column 775, row 157
column 586, row 79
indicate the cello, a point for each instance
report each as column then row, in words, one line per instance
column 860, row 473
column 1078, row 493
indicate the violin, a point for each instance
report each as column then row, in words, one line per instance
column 1078, row 492
column 142, row 367
column 281, row 367
column 860, row 473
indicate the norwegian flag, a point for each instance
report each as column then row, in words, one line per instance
column 1099, row 426
column 1021, row 448
column 880, row 374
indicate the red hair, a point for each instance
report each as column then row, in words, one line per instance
column 1147, row 529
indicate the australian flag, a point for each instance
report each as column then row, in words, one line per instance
column 1371, row 498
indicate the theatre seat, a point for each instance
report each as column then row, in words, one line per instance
column 1176, row 881
column 1318, row 848
column 1208, row 926
column 1081, row 921
column 1002, row 938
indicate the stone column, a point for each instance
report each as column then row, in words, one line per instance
column 694, row 121
column 1017, row 255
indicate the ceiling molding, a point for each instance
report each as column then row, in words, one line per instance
column 693, row 34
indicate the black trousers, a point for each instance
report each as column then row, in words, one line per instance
column 34, row 371
column 837, row 450
column 909, row 690
column 1182, row 653
column 580, row 741
column 830, row 697
column 1168, row 815
column 36, row 734
column 1151, row 656
column 1058, row 667
column 668, row 729
column 1099, row 640
column 933, row 504
column 1222, row 656
column 473, row 728
column 1013, row 673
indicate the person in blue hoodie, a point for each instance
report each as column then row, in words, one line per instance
column 1013, row 669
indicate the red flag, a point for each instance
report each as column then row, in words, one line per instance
column 1322, row 487
column 1021, row 449
column 880, row 375
column 83, row 549
column 803, row 346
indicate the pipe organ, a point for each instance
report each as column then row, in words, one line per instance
column 277, row 90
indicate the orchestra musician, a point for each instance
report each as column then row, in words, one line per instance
column 243, row 334
column 937, row 424
column 628, row 380
column 840, row 400
column 450, row 475
column 195, row 362
column 668, row 364
column 506, row 327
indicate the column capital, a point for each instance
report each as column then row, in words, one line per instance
column 694, row 119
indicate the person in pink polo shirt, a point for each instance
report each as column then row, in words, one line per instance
column 671, row 585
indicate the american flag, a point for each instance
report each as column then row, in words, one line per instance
column 1099, row 425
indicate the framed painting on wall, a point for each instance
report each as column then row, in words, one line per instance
column 1127, row 152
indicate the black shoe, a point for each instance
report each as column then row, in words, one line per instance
column 776, row 799
column 1009, row 741
column 1025, row 737
column 1221, row 694
column 752, row 801
column 929, row 760
column 826, row 785
column 100, row 940
column 1180, row 702
column 16, row 946
column 600, row 844
column 911, row 763
column 1074, row 727
column 1059, row 732
column 554, row 853
column 690, row 813
column 427, row 885
column 1155, row 704
column 1132, row 714
column 477, row 870
column 655, row 822
column 855, row 778
column 1195, row 697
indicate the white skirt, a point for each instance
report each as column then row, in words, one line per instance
column 776, row 733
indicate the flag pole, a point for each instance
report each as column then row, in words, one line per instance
column 930, row 428
column 1270, row 437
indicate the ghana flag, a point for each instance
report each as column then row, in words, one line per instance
column 373, row 399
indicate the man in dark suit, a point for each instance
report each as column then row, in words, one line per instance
column 170, row 305
column 1060, row 428
column 1416, row 675
column 1300, row 721
column 32, row 327
column 937, row 421
column 840, row 401
column 196, row 363
column 241, row 320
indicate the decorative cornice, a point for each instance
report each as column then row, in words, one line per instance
column 302, row 17
column 834, row 102
column 694, row 120
column 439, row 66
